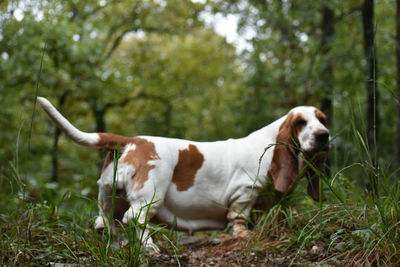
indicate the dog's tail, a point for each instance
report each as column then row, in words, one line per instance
column 101, row 140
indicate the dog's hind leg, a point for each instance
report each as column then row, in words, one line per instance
column 106, row 183
column 104, row 204
column 146, row 200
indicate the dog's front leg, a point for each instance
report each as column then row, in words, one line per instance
column 141, row 215
column 238, row 214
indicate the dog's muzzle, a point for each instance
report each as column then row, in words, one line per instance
column 321, row 137
column 321, row 141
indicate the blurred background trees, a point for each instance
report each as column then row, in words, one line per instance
column 154, row 67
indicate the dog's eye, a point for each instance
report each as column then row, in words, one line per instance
column 301, row 122
column 323, row 121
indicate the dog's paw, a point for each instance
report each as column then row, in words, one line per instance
column 239, row 230
column 152, row 248
column 100, row 223
column 129, row 215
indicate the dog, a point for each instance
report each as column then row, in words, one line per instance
column 204, row 185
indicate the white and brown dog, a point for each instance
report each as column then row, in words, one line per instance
column 204, row 185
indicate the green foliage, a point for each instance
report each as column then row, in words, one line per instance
column 185, row 84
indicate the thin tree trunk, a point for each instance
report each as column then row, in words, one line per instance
column 328, row 30
column 57, row 133
column 54, row 156
column 371, row 76
column 372, row 92
column 397, row 162
column 99, row 115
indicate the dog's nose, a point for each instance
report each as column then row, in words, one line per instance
column 321, row 136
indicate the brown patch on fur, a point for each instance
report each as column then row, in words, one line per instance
column 139, row 158
column 110, row 141
column 108, row 160
column 284, row 165
column 189, row 162
column 320, row 116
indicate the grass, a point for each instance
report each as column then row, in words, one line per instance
column 35, row 232
column 38, row 233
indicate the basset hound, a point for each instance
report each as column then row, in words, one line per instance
column 204, row 185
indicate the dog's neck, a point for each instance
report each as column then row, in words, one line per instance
column 266, row 135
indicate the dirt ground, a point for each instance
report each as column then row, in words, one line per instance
column 226, row 250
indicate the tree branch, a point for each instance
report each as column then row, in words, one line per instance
column 348, row 12
column 119, row 38
column 141, row 95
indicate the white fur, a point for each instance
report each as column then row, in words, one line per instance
column 306, row 136
column 86, row 139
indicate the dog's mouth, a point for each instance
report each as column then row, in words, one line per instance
column 317, row 148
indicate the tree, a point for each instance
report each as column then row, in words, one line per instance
column 371, row 75
column 192, row 81
column 328, row 30
column 397, row 163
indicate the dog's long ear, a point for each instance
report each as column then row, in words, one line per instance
column 284, row 166
column 318, row 163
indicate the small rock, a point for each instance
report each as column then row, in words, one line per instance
column 315, row 250
column 215, row 241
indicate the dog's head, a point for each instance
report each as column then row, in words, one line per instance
column 302, row 140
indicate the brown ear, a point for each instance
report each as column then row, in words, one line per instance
column 284, row 166
column 318, row 162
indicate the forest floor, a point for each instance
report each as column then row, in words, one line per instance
column 220, row 249
column 208, row 249
column 38, row 235
column 348, row 230
column 224, row 250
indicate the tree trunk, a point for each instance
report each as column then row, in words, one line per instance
column 54, row 156
column 57, row 133
column 99, row 114
column 371, row 76
column 328, row 30
column 397, row 162
column 372, row 92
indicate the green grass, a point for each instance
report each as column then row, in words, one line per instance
column 38, row 232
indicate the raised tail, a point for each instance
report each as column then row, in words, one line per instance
column 100, row 140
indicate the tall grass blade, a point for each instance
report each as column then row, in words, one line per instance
column 35, row 98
